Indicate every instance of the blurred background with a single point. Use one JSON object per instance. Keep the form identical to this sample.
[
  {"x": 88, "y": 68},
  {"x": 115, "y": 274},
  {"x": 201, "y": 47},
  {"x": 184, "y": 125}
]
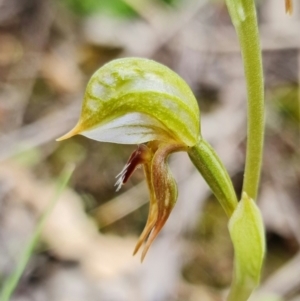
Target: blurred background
[{"x": 48, "y": 51}]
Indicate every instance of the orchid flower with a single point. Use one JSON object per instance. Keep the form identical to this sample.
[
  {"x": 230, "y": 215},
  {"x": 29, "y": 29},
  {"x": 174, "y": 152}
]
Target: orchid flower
[{"x": 139, "y": 101}]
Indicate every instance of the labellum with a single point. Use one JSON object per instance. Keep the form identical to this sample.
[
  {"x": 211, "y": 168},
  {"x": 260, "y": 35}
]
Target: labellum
[{"x": 161, "y": 184}]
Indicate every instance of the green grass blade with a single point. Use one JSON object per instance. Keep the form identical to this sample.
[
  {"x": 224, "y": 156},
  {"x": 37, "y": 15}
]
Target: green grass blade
[{"x": 12, "y": 281}]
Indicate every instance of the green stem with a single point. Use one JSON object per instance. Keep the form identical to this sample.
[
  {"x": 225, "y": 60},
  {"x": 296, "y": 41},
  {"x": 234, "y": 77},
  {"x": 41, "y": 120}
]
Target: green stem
[
  {"x": 213, "y": 171},
  {"x": 243, "y": 15}
]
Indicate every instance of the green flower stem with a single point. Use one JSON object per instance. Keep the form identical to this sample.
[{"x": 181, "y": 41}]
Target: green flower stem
[
  {"x": 213, "y": 171},
  {"x": 243, "y": 16}
]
